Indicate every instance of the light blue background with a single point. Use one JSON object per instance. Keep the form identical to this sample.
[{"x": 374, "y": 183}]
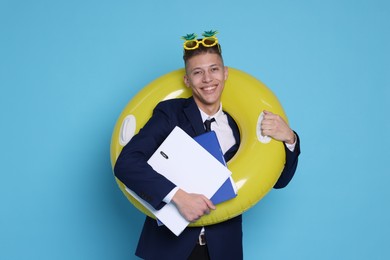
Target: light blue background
[{"x": 68, "y": 68}]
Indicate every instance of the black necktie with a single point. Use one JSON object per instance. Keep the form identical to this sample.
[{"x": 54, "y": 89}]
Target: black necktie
[{"x": 207, "y": 124}]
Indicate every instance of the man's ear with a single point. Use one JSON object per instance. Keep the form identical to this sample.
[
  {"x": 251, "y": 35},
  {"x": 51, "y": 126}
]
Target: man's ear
[
  {"x": 226, "y": 71},
  {"x": 186, "y": 81}
]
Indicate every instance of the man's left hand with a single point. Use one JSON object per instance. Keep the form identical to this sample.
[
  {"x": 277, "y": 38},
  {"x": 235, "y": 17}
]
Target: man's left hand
[{"x": 274, "y": 126}]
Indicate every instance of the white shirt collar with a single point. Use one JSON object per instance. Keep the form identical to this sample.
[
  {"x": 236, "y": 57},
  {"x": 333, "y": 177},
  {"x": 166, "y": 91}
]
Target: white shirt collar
[{"x": 216, "y": 115}]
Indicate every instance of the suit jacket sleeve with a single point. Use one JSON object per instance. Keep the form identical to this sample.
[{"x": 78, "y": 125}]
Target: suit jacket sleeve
[
  {"x": 131, "y": 167},
  {"x": 290, "y": 166}
]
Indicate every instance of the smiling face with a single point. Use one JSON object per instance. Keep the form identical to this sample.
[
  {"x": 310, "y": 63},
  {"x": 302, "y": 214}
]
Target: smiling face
[{"x": 206, "y": 75}]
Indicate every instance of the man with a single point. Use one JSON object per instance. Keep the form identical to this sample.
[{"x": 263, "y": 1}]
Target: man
[{"x": 206, "y": 76}]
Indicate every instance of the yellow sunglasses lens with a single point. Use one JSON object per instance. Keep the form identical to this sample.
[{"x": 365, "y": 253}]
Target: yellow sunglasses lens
[
  {"x": 190, "y": 45},
  {"x": 209, "y": 42}
]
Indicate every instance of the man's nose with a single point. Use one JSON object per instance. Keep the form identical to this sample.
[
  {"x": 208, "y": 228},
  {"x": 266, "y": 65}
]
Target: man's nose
[{"x": 207, "y": 77}]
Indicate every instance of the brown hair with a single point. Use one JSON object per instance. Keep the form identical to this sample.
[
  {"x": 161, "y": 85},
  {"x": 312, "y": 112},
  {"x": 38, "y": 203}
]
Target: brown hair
[{"x": 201, "y": 50}]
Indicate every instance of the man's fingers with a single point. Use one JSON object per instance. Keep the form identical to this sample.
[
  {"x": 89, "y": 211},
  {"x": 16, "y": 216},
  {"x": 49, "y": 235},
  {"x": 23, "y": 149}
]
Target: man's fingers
[{"x": 210, "y": 204}]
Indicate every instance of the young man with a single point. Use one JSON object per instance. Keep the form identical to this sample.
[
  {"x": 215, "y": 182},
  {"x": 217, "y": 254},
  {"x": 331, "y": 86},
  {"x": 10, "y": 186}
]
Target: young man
[{"x": 206, "y": 76}]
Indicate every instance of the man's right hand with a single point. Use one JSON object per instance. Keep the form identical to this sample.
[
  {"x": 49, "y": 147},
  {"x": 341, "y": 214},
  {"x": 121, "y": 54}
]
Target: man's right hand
[{"x": 192, "y": 206}]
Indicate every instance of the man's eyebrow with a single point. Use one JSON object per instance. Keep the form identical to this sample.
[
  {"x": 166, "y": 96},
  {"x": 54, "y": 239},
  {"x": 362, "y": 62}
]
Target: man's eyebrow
[
  {"x": 212, "y": 65},
  {"x": 207, "y": 66}
]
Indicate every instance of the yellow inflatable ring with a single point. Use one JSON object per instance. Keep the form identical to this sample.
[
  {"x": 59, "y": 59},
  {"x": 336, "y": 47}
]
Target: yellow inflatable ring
[{"x": 259, "y": 161}]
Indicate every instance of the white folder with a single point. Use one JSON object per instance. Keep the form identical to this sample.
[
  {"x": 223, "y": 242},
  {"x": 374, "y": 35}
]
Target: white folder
[{"x": 193, "y": 169}]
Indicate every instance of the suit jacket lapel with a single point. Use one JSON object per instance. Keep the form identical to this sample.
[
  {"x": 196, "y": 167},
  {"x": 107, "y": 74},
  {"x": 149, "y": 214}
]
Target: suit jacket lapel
[
  {"x": 233, "y": 125},
  {"x": 192, "y": 113}
]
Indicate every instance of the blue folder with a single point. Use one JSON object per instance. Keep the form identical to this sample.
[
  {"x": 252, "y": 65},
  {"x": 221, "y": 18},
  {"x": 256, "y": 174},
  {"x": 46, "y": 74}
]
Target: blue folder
[{"x": 209, "y": 141}]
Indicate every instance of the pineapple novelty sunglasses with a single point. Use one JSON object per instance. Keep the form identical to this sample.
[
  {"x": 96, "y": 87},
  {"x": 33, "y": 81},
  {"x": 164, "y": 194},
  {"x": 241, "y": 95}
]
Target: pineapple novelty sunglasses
[{"x": 209, "y": 40}]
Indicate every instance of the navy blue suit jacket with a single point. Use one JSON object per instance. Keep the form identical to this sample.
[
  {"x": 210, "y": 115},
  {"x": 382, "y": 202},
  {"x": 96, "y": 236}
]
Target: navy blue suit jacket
[{"x": 224, "y": 240}]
